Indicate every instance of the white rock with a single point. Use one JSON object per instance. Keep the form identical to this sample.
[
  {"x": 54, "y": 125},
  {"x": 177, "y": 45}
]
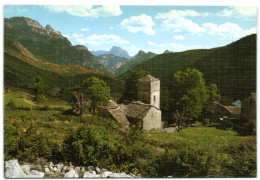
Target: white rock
[
  {"x": 13, "y": 169},
  {"x": 71, "y": 174},
  {"x": 77, "y": 169},
  {"x": 91, "y": 175},
  {"x": 35, "y": 174},
  {"x": 26, "y": 168},
  {"x": 47, "y": 170},
  {"x": 106, "y": 174},
  {"x": 98, "y": 170},
  {"x": 119, "y": 175}
]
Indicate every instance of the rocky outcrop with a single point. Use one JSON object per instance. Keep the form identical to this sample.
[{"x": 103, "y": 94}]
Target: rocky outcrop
[
  {"x": 48, "y": 44},
  {"x": 13, "y": 169},
  {"x": 48, "y": 169}
]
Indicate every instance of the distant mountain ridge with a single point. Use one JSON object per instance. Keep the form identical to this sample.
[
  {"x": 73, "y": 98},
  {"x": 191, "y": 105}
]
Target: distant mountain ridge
[
  {"x": 111, "y": 61},
  {"x": 140, "y": 57},
  {"x": 114, "y": 50},
  {"x": 48, "y": 44}
]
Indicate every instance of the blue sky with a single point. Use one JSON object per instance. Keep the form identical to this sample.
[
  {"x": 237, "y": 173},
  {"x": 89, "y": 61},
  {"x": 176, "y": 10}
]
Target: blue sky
[{"x": 147, "y": 28}]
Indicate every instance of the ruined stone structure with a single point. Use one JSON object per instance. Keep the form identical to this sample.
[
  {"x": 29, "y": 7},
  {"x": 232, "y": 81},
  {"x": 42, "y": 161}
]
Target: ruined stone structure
[{"x": 146, "y": 110}]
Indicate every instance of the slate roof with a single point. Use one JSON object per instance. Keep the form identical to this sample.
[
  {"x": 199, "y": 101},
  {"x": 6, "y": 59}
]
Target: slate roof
[
  {"x": 148, "y": 78},
  {"x": 117, "y": 113},
  {"x": 137, "y": 110},
  {"x": 234, "y": 109}
]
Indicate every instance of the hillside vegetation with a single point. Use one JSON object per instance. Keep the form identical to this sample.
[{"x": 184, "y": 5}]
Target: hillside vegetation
[
  {"x": 232, "y": 67},
  {"x": 141, "y": 56},
  {"x": 20, "y": 66}
]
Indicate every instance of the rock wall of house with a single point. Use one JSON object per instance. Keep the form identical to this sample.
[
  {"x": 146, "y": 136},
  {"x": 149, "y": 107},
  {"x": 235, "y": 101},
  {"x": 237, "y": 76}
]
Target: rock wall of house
[
  {"x": 152, "y": 120},
  {"x": 155, "y": 94}
]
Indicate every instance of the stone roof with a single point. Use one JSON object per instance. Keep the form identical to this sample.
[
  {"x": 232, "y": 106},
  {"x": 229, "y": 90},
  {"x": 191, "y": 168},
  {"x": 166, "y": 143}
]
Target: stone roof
[
  {"x": 117, "y": 113},
  {"x": 111, "y": 105},
  {"x": 137, "y": 110},
  {"x": 148, "y": 78},
  {"x": 234, "y": 109}
]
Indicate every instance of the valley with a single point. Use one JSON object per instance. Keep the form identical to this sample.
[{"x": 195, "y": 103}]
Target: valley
[{"x": 64, "y": 103}]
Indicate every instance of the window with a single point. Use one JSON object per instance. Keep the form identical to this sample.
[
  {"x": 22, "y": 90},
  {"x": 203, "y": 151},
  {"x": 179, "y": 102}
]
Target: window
[{"x": 154, "y": 98}]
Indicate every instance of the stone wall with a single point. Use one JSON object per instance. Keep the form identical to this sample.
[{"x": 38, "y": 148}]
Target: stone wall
[{"x": 152, "y": 120}]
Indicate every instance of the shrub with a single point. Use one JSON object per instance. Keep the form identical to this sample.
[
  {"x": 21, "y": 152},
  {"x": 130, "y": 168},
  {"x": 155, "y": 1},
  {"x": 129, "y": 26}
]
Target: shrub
[
  {"x": 40, "y": 98},
  {"x": 205, "y": 122},
  {"x": 27, "y": 145},
  {"x": 191, "y": 162},
  {"x": 11, "y": 105},
  {"x": 241, "y": 161},
  {"x": 97, "y": 146}
]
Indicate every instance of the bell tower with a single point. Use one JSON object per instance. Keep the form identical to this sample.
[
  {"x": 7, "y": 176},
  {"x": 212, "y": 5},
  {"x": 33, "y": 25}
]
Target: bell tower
[{"x": 148, "y": 90}]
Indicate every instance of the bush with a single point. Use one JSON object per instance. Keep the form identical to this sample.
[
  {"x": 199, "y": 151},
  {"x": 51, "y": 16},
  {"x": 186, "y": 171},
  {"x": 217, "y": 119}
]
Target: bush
[
  {"x": 11, "y": 105},
  {"x": 241, "y": 161},
  {"x": 205, "y": 122},
  {"x": 191, "y": 162},
  {"x": 40, "y": 98},
  {"x": 97, "y": 146},
  {"x": 27, "y": 145}
]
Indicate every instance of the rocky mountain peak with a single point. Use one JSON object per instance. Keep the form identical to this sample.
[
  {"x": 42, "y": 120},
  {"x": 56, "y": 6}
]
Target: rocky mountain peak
[
  {"x": 119, "y": 52},
  {"x": 49, "y": 28}
]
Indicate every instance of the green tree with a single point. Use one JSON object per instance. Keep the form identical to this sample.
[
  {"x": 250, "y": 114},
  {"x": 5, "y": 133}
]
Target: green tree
[
  {"x": 189, "y": 94},
  {"x": 213, "y": 94},
  {"x": 95, "y": 91},
  {"x": 37, "y": 85},
  {"x": 38, "y": 89},
  {"x": 130, "y": 91}
]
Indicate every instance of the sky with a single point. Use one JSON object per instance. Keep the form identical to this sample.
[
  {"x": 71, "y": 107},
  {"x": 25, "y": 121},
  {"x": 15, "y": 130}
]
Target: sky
[{"x": 147, "y": 28}]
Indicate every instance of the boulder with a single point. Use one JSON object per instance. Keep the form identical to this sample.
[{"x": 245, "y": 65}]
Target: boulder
[
  {"x": 98, "y": 170},
  {"x": 71, "y": 174},
  {"x": 35, "y": 174},
  {"x": 26, "y": 168},
  {"x": 13, "y": 169},
  {"x": 91, "y": 175},
  {"x": 119, "y": 175},
  {"x": 47, "y": 170},
  {"x": 105, "y": 174}
]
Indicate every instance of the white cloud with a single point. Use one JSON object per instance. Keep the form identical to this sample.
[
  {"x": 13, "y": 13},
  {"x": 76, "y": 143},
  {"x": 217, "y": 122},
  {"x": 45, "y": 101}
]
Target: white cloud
[
  {"x": 15, "y": 9},
  {"x": 238, "y": 11},
  {"x": 84, "y": 29},
  {"x": 227, "y": 29},
  {"x": 177, "y": 21},
  {"x": 179, "y": 37},
  {"x": 87, "y": 11},
  {"x": 97, "y": 40},
  {"x": 142, "y": 23},
  {"x": 67, "y": 36}
]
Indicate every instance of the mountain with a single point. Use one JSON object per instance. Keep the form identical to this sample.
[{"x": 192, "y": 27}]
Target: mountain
[
  {"x": 231, "y": 67},
  {"x": 140, "y": 57},
  {"x": 114, "y": 50},
  {"x": 20, "y": 66},
  {"x": 167, "y": 51},
  {"x": 111, "y": 61},
  {"x": 48, "y": 44}
]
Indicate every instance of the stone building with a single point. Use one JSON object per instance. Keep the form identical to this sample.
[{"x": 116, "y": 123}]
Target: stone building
[
  {"x": 146, "y": 110},
  {"x": 148, "y": 90}
]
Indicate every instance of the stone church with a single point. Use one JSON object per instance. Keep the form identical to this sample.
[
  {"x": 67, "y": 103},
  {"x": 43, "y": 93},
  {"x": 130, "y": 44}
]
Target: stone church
[{"x": 146, "y": 110}]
